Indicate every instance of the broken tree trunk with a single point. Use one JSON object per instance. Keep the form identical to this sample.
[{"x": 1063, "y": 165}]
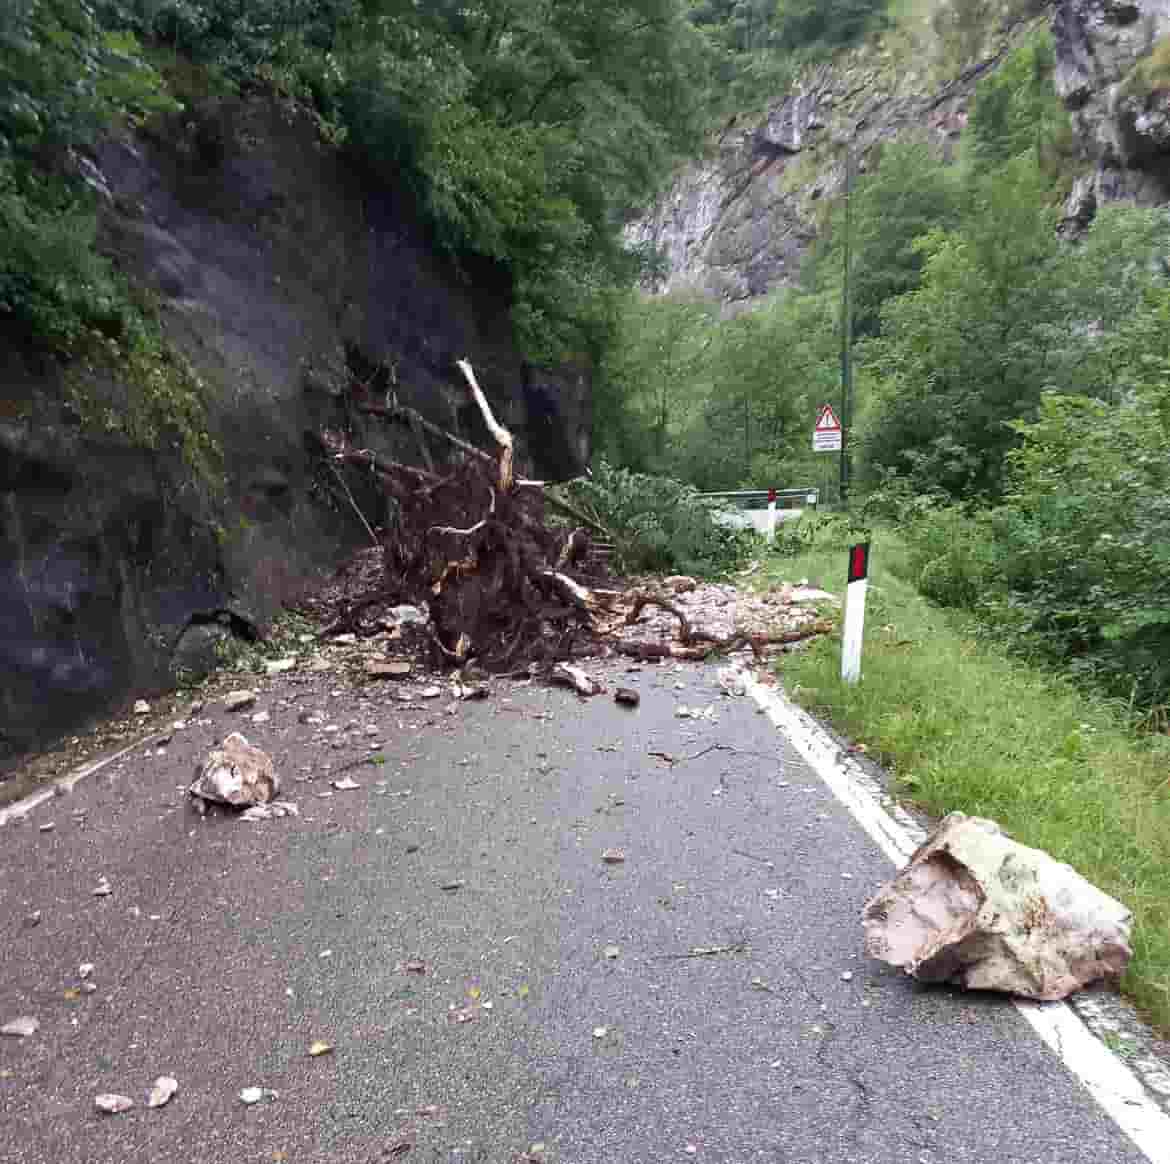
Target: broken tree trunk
[{"x": 502, "y": 436}]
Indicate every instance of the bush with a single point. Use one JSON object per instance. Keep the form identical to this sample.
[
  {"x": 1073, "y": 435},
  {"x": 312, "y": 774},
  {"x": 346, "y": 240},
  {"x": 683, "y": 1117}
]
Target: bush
[
  {"x": 954, "y": 559},
  {"x": 660, "y": 524},
  {"x": 1085, "y": 537},
  {"x": 51, "y": 278},
  {"x": 1075, "y": 562}
]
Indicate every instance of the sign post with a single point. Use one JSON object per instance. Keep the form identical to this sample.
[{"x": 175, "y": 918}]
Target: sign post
[
  {"x": 771, "y": 516},
  {"x": 855, "y": 591},
  {"x": 827, "y": 431}
]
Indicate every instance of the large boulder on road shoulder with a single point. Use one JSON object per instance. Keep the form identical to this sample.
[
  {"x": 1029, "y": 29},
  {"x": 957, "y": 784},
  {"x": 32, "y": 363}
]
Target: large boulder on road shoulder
[{"x": 975, "y": 908}]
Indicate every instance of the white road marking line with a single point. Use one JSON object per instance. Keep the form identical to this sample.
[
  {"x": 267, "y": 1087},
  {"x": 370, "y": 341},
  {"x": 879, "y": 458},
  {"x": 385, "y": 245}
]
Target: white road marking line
[
  {"x": 20, "y": 809},
  {"x": 1111, "y": 1083}
]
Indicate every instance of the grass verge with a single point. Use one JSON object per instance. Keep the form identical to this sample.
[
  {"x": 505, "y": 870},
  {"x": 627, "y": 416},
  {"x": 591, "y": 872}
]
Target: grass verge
[{"x": 964, "y": 727}]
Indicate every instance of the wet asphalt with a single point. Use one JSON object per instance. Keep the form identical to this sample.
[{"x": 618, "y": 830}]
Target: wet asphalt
[{"x": 492, "y": 988}]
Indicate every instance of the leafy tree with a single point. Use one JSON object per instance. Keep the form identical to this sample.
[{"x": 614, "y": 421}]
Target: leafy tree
[
  {"x": 973, "y": 347},
  {"x": 824, "y": 25},
  {"x": 1112, "y": 273},
  {"x": 908, "y": 194},
  {"x": 525, "y": 127},
  {"x": 62, "y": 78},
  {"x": 1016, "y": 111},
  {"x": 1085, "y": 530},
  {"x": 654, "y": 372},
  {"x": 768, "y": 370}
]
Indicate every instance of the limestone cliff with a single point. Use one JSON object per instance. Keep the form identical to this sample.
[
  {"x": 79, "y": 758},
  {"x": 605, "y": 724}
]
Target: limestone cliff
[
  {"x": 1113, "y": 74},
  {"x": 738, "y": 224},
  {"x": 283, "y": 276}
]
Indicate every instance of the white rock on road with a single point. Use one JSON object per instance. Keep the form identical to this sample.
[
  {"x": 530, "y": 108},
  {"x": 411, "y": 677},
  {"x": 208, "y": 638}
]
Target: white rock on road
[
  {"x": 236, "y": 773},
  {"x": 976, "y": 908}
]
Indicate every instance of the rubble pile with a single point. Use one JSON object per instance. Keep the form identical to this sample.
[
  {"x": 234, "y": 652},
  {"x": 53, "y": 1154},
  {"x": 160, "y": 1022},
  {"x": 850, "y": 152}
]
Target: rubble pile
[{"x": 470, "y": 548}]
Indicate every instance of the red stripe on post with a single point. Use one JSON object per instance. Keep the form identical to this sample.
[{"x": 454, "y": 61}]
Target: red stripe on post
[{"x": 858, "y": 562}]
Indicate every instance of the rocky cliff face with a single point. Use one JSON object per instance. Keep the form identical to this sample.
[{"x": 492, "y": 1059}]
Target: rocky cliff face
[
  {"x": 1113, "y": 74},
  {"x": 283, "y": 276},
  {"x": 739, "y": 224}
]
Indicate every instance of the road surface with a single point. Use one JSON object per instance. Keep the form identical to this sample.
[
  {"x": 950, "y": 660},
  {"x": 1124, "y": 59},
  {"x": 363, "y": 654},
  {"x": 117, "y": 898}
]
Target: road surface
[{"x": 561, "y": 1015}]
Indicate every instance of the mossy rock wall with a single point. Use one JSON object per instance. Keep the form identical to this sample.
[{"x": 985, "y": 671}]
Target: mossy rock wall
[{"x": 282, "y": 275}]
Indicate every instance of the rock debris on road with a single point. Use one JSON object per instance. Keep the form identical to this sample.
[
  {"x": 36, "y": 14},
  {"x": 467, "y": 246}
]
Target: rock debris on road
[{"x": 440, "y": 958}]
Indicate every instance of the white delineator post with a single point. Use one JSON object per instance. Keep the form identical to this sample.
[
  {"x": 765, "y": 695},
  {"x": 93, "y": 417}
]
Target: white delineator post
[
  {"x": 771, "y": 535},
  {"x": 854, "y": 612}
]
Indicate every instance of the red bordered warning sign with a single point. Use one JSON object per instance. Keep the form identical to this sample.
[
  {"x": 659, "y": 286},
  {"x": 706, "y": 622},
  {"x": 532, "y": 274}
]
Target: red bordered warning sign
[
  {"x": 827, "y": 431},
  {"x": 827, "y": 420}
]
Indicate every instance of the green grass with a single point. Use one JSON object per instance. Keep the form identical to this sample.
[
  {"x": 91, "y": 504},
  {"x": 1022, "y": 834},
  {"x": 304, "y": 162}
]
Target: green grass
[{"x": 962, "y": 726}]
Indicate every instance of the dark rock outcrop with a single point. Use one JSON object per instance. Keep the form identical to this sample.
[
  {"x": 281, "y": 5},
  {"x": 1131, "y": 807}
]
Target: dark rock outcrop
[
  {"x": 1113, "y": 74},
  {"x": 284, "y": 276}
]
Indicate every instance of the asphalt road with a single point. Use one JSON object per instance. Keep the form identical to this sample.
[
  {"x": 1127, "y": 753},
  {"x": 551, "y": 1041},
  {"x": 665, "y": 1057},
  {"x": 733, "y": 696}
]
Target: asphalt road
[{"x": 225, "y": 949}]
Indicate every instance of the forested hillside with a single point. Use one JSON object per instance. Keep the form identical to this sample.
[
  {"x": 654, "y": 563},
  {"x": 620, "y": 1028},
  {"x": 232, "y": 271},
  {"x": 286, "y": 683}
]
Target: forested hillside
[
  {"x": 523, "y": 128},
  {"x": 1012, "y": 348},
  {"x": 1012, "y": 353}
]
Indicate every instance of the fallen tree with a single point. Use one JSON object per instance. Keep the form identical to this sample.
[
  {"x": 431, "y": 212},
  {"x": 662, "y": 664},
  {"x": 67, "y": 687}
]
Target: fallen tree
[{"x": 470, "y": 543}]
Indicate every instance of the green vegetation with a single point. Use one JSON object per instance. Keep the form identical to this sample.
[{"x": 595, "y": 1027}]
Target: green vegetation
[
  {"x": 659, "y": 524},
  {"x": 524, "y": 127},
  {"x": 66, "y": 77},
  {"x": 719, "y": 403},
  {"x": 965, "y": 728},
  {"x": 1011, "y": 388},
  {"x": 63, "y": 78}
]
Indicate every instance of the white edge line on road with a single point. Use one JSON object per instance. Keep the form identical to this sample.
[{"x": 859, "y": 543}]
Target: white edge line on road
[
  {"x": 1111, "y": 1083},
  {"x": 21, "y": 808}
]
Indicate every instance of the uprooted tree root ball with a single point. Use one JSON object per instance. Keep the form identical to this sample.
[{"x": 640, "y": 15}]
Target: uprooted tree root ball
[
  {"x": 484, "y": 563},
  {"x": 503, "y": 588}
]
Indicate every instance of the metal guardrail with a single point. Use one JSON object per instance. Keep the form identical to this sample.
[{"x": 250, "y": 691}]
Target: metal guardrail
[{"x": 809, "y": 496}]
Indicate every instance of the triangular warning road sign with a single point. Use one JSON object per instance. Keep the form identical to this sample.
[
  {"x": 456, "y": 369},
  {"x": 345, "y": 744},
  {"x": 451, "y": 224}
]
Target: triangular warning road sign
[{"x": 827, "y": 420}]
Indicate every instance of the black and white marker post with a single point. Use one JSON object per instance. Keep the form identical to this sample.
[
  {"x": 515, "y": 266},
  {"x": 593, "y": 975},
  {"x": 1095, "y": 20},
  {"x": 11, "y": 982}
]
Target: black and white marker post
[{"x": 854, "y": 612}]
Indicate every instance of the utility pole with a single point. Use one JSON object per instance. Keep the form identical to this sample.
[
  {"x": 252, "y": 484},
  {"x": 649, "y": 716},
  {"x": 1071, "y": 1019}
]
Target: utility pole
[{"x": 847, "y": 330}]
